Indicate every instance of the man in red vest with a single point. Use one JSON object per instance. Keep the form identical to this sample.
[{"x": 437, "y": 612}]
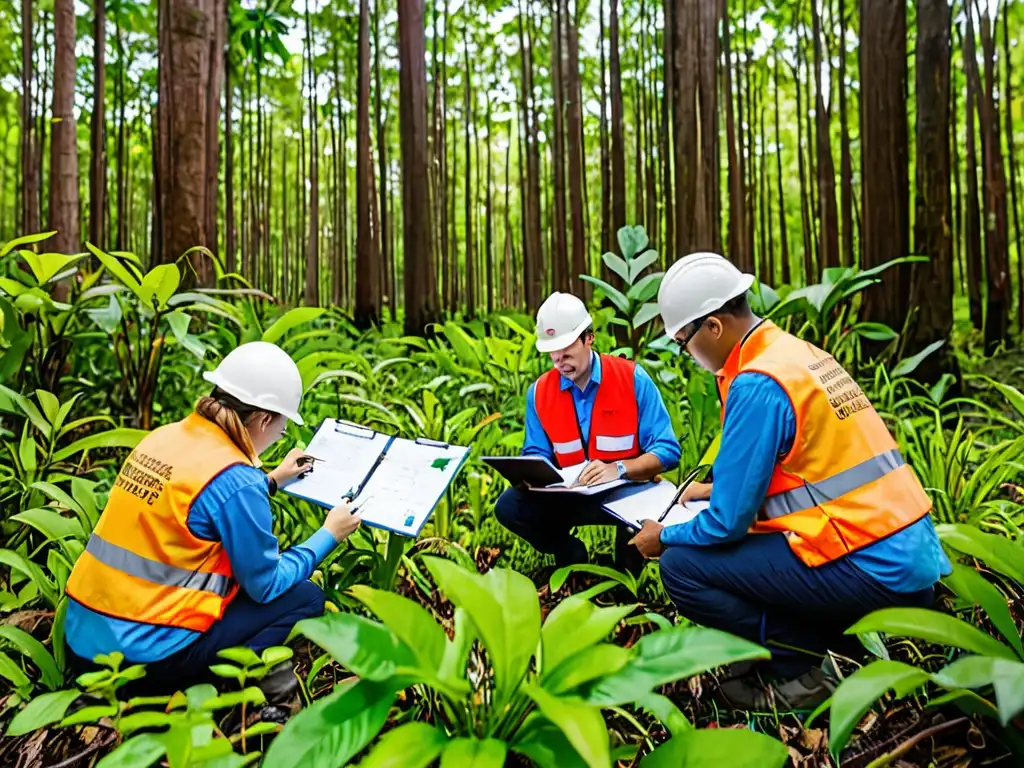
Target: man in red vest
[
  {"x": 815, "y": 520},
  {"x": 592, "y": 408}
]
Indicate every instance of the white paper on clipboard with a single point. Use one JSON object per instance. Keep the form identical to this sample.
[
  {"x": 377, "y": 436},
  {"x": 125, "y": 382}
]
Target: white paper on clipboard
[{"x": 635, "y": 504}]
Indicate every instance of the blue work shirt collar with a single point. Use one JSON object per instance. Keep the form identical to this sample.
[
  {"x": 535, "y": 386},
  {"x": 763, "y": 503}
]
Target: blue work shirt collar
[{"x": 595, "y": 373}]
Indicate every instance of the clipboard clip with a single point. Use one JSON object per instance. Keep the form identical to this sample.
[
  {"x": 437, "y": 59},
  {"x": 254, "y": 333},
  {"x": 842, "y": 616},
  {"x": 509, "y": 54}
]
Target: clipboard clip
[
  {"x": 431, "y": 443},
  {"x": 354, "y": 430}
]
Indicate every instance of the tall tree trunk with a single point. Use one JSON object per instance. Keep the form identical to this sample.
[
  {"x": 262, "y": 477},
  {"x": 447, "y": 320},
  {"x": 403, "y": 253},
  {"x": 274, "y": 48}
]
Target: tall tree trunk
[
  {"x": 367, "y": 310},
  {"x": 29, "y": 138},
  {"x": 420, "y": 279},
  {"x": 805, "y": 214},
  {"x": 1011, "y": 155},
  {"x": 468, "y": 120},
  {"x": 997, "y": 279},
  {"x": 606, "y": 188},
  {"x": 975, "y": 266},
  {"x": 312, "y": 292},
  {"x": 932, "y": 283},
  {"x": 848, "y": 256},
  {"x": 98, "y": 130},
  {"x": 64, "y": 203},
  {"x": 883, "y": 130},
  {"x": 218, "y": 40},
  {"x": 489, "y": 207},
  {"x": 121, "y": 241},
  {"x": 737, "y": 241},
  {"x": 533, "y": 267},
  {"x": 958, "y": 230},
  {"x": 783, "y": 227},
  {"x": 668, "y": 98},
  {"x": 387, "y": 252},
  {"x": 826, "y": 169},
  {"x": 576, "y": 173},
  {"x": 230, "y": 233},
  {"x": 559, "y": 256},
  {"x": 618, "y": 144}
]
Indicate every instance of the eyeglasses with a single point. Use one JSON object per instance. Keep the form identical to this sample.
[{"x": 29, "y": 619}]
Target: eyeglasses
[{"x": 698, "y": 324}]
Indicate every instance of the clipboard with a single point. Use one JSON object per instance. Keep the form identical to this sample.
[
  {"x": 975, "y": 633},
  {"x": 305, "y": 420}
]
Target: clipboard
[{"x": 633, "y": 505}]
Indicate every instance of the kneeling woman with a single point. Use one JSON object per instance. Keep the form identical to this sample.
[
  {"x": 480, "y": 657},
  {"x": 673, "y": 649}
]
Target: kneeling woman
[{"x": 183, "y": 561}]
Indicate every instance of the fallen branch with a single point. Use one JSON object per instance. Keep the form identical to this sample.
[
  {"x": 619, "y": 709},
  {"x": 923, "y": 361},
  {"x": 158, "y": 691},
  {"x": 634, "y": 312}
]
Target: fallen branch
[
  {"x": 96, "y": 746},
  {"x": 910, "y": 743}
]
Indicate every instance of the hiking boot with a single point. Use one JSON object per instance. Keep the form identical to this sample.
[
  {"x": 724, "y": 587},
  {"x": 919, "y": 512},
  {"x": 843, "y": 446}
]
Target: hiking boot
[
  {"x": 804, "y": 692},
  {"x": 280, "y": 685}
]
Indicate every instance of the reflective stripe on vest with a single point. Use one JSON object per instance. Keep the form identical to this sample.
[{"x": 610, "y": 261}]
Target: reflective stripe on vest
[
  {"x": 614, "y": 422},
  {"x": 831, "y": 488},
  {"x": 844, "y": 484},
  {"x": 166, "y": 575}
]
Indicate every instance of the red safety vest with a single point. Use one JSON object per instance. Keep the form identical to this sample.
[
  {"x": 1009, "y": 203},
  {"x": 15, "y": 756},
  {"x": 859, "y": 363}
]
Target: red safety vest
[
  {"x": 614, "y": 425},
  {"x": 844, "y": 484}
]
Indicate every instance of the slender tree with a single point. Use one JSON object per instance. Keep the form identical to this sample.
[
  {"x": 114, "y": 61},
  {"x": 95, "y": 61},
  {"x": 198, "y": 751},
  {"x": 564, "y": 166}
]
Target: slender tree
[
  {"x": 846, "y": 159},
  {"x": 618, "y": 142},
  {"x": 578, "y": 263},
  {"x": 98, "y": 129},
  {"x": 367, "y": 309},
  {"x": 972, "y": 215},
  {"x": 830, "y": 256},
  {"x": 64, "y": 203},
  {"x": 312, "y": 291},
  {"x": 29, "y": 137}
]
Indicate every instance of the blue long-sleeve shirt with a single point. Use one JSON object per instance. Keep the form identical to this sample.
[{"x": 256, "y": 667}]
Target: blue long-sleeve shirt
[
  {"x": 656, "y": 435},
  {"x": 233, "y": 509},
  {"x": 760, "y": 426}
]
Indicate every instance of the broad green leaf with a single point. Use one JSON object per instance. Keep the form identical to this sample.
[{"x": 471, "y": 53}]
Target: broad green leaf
[
  {"x": 42, "y": 711},
  {"x": 631, "y": 240},
  {"x": 1005, "y": 677},
  {"x": 647, "y": 312},
  {"x": 545, "y": 743},
  {"x": 857, "y": 693},
  {"x": 17, "y": 242},
  {"x": 367, "y": 648},
  {"x": 276, "y": 654},
  {"x": 875, "y": 331},
  {"x": 908, "y": 365},
  {"x": 452, "y": 669},
  {"x": 251, "y": 696},
  {"x": 122, "y": 437},
  {"x": 971, "y": 586},
  {"x": 57, "y": 494},
  {"x": 138, "y": 752},
  {"x": 474, "y": 753},
  {"x": 997, "y": 552},
  {"x": 735, "y": 747},
  {"x": 625, "y": 579},
  {"x": 51, "y": 524},
  {"x": 49, "y": 404},
  {"x": 669, "y": 655},
  {"x": 573, "y": 625},
  {"x": 159, "y": 285},
  {"x": 410, "y": 622},
  {"x": 615, "y": 296},
  {"x": 35, "y": 650},
  {"x": 413, "y": 745},
  {"x": 116, "y": 269},
  {"x": 581, "y": 723},
  {"x": 289, "y": 320},
  {"x": 934, "y": 627},
  {"x": 640, "y": 263},
  {"x": 28, "y": 408},
  {"x": 967, "y": 702},
  {"x": 92, "y": 714},
  {"x": 617, "y": 265},
  {"x": 665, "y": 710},
  {"x": 45, "y": 266},
  {"x": 646, "y": 288},
  {"x": 32, "y": 572},
  {"x": 109, "y": 318},
  {"x": 1013, "y": 395},
  {"x": 466, "y": 348},
  {"x": 10, "y": 671},
  {"x": 12, "y": 287},
  {"x": 331, "y": 731},
  {"x": 242, "y": 656},
  {"x": 585, "y": 666},
  {"x": 504, "y": 609}
]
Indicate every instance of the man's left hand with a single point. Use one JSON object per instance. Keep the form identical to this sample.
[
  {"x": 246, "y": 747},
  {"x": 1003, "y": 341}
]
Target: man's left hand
[
  {"x": 597, "y": 472},
  {"x": 648, "y": 540}
]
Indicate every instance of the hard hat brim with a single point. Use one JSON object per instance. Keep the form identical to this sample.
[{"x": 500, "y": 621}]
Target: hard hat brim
[
  {"x": 742, "y": 286},
  {"x": 556, "y": 343},
  {"x": 245, "y": 397}
]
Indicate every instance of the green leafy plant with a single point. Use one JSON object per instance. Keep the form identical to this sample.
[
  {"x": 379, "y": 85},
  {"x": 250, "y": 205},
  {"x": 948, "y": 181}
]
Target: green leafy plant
[{"x": 502, "y": 683}]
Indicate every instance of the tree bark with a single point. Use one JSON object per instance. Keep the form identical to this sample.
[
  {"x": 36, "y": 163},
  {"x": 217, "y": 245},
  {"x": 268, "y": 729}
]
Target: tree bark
[
  {"x": 783, "y": 227},
  {"x": 207, "y": 273},
  {"x": 829, "y": 226},
  {"x": 668, "y": 98},
  {"x": 737, "y": 240},
  {"x": 121, "y": 241},
  {"x": 847, "y": 256},
  {"x": 559, "y": 255},
  {"x": 367, "y": 310},
  {"x": 576, "y": 173},
  {"x": 98, "y": 130},
  {"x": 618, "y": 143},
  {"x": 64, "y": 202},
  {"x": 1012, "y": 159},
  {"x": 29, "y": 137},
  {"x": 997, "y": 279},
  {"x": 885, "y": 208},
  {"x": 312, "y": 292},
  {"x": 387, "y": 253},
  {"x": 230, "y": 233},
  {"x": 972, "y": 224},
  {"x": 932, "y": 283},
  {"x": 468, "y": 120},
  {"x": 606, "y": 189},
  {"x": 420, "y": 279}
]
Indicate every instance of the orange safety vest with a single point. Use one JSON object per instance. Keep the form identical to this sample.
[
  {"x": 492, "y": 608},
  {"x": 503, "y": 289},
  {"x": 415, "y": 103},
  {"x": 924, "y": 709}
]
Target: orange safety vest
[
  {"x": 142, "y": 563},
  {"x": 844, "y": 484},
  {"x": 614, "y": 425}
]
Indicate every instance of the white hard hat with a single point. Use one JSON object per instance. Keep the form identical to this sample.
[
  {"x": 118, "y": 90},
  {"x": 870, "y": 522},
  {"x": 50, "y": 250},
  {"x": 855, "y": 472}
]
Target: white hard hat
[
  {"x": 560, "y": 321},
  {"x": 697, "y": 285},
  {"x": 262, "y": 375}
]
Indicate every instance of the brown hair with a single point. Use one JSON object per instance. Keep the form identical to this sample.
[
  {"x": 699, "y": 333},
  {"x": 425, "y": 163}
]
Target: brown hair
[{"x": 231, "y": 415}]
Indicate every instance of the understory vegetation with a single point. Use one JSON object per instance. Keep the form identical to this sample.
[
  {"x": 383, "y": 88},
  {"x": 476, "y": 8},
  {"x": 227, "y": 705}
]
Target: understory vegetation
[{"x": 463, "y": 645}]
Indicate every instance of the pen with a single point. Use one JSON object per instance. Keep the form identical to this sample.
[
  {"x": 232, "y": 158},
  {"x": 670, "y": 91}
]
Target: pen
[
  {"x": 679, "y": 492},
  {"x": 309, "y": 460}
]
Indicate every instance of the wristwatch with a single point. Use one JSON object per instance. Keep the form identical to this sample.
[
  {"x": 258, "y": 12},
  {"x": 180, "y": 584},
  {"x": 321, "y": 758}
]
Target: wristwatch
[{"x": 621, "y": 467}]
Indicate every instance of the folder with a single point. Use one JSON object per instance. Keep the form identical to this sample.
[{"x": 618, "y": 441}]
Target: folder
[
  {"x": 539, "y": 474},
  {"x": 393, "y": 483}
]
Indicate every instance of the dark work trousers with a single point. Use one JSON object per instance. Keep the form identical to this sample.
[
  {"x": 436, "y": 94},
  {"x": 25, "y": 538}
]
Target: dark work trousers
[
  {"x": 545, "y": 520},
  {"x": 758, "y": 589},
  {"x": 245, "y": 623}
]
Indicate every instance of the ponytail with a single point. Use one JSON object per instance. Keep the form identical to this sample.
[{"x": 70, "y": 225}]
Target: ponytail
[{"x": 231, "y": 415}]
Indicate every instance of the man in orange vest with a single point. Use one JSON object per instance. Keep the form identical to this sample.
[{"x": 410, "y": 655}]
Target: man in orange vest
[
  {"x": 815, "y": 520},
  {"x": 593, "y": 408}
]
